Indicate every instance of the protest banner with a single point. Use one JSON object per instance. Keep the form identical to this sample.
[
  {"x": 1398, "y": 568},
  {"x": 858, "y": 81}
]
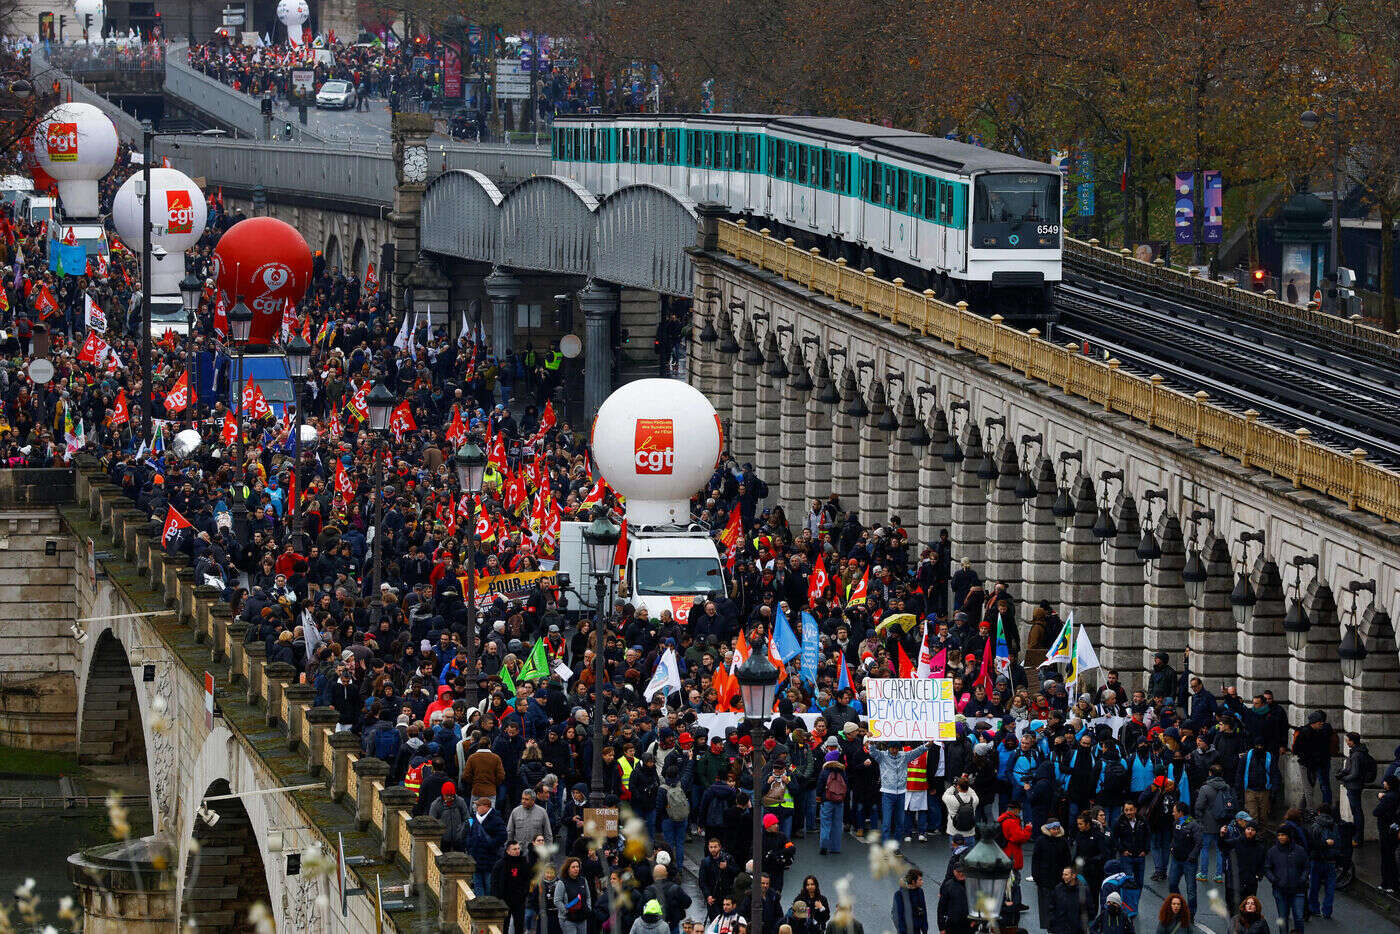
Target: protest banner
[{"x": 910, "y": 710}]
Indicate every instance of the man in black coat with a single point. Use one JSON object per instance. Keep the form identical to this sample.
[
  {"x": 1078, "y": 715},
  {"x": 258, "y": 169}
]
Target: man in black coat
[
  {"x": 511, "y": 884},
  {"x": 953, "y": 909}
]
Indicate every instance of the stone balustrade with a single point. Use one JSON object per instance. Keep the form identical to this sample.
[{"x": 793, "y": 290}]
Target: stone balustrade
[{"x": 413, "y": 843}]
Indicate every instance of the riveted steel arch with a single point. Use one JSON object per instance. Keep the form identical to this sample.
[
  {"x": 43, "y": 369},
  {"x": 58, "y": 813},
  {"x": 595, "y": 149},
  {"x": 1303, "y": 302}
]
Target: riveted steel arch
[
  {"x": 546, "y": 224},
  {"x": 640, "y": 238},
  {"x": 461, "y": 214}
]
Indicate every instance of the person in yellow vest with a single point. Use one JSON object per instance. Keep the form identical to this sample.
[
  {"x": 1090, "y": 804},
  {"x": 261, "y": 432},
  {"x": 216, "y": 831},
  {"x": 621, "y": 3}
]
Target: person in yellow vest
[
  {"x": 916, "y": 809},
  {"x": 627, "y": 763}
]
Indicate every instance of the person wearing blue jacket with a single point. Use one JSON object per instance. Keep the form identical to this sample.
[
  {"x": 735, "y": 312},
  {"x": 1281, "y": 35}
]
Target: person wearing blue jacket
[
  {"x": 484, "y": 840},
  {"x": 1142, "y": 768}
]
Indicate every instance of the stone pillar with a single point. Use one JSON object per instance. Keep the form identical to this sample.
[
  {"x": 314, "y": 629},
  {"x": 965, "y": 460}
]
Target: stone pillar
[
  {"x": 1080, "y": 561},
  {"x": 299, "y": 699},
  {"x": 342, "y": 746},
  {"x": 792, "y": 429},
  {"x": 236, "y": 631},
  {"x": 409, "y": 132},
  {"x": 1373, "y": 700},
  {"x": 255, "y": 663},
  {"x": 1005, "y": 522},
  {"x": 1315, "y": 679},
  {"x": 1040, "y": 549},
  {"x": 845, "y": 446},
  {"x": 395, "y": 800},
  {"x": 768, "y": 411},
  {"x": 126, "y": 887},
  {"x": 424, "y": 830},
  {"x": 902, "y": 481},
  {"x": 452, "y": 868},
  {"x": 464, "y": 300},
  {"x": 970, "y": 505},
  {"x": 319, "y": 721},
  {"x": 1262, "y": 645},
  {"x": 368, "y": 769},
  {"x": 599, "y": 304},
  {"x": 279, "y": 675},
  {"x": 722, "y": 389},
  {"x": 1212, "y": 625},
  {"x": 701, "y": 367},
  {"x": 874, "y": 465},
  {"x": 502, "y": 289},
  {"x": 1121, "y": 636},
  {"x": 819, "y": 417},
  {"x": 1166, "y": 617},
  {"x": 935, "y": 483},
  {"x": 744, "y": 382}
]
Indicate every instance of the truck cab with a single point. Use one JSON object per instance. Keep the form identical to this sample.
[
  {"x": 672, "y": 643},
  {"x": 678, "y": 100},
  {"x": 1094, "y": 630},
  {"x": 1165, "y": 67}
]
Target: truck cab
[{"x": 668, "y": 570}]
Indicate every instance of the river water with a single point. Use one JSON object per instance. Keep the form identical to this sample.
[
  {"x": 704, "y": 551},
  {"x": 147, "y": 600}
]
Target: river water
[{"x": 36, "y": 843}]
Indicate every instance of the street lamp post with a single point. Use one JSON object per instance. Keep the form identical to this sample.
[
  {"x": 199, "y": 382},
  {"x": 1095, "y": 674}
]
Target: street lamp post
[
  {"x": 600, "y": 539},
  {"x": 240, "y": 326},
  {"x": 758, "y": 684},
  {"x": 470, "y": 462},
  {"x": 298, "y": 354},
  {"x": 190, "y": 287},
  {"x": 381, "y": 407},
  {"x": 988, "y": 869},
  {"x": 147, "y": 136}
]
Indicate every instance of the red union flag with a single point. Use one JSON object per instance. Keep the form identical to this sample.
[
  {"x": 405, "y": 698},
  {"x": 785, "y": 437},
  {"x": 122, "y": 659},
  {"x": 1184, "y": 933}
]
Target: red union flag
[
  {"x": 731, "y": 537},
  {"x": 816, "y": 581},
  {"x": 62, "y": 142},
  {"x": 229, "y": 433},
  {"x": 220, "y": 319},
  {"x": 254, "y": 401},
  {"x": 401, "y": 420},
  {"x": 179, "y": 395},
  {"x": 93, "y": 349},
  {"x": 357, "y": 405},
  {"x": 457, "y": 431},
  {"x": 343, "y": 486},
  {"x": 655, "y": 446},
  {"x": 174, "y": 522},
  {"x": 45, "y": 304},
  {"x": 180, "y": 211},
  {"x": 120, "y": 411},
  {"x": 371, "y": 280}
]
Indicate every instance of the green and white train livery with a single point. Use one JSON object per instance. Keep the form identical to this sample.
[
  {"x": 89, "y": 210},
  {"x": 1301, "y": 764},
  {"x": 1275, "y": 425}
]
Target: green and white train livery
[{"x": 968, "y": 222}]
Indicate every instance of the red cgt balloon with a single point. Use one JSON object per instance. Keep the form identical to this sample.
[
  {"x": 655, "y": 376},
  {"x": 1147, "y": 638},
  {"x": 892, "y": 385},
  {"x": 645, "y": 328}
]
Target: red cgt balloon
[{"x": 266, "y": 263}]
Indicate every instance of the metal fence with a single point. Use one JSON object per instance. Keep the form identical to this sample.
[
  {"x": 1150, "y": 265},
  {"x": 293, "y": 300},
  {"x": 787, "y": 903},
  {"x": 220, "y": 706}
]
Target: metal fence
[
  {"x": 364, "y": 176},
  {"x": 128, "y": 127},
  {"x": 106, "y": 62},
  {"x": 238, "y": 110}
]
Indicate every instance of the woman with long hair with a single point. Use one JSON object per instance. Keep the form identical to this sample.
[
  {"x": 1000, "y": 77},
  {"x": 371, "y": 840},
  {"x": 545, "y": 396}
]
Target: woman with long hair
[
  {"x": 817, "y": 905},
  {"x": 1174, "y": 917},
  {"x": 1250, "y": 918}
]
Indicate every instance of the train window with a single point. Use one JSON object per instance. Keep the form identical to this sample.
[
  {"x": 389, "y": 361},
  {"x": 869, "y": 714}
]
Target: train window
[
  {"x": 670, "y": 139},
  {"x": 838, "y": 172},
  {"x": 814, "y": 167},
  {"x": 626, "y": 145},
  {"x": 864, "y": 179},
  {"x": 946, "y": 209},
  {"x": 888, "y": 196},
  {"x": 779, "y": 157},
  {"x": 727, "y": 157},
  {"x": 916, "y": 195},
  {"x": 826, "y": 170},
  {"x": 802, "y": 163},
  {"x": 707, "y": 149},
  {"x": 903, "y": 189}
]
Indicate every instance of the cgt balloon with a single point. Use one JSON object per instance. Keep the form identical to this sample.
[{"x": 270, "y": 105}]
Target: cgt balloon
[{"x": 267, "y": 264}]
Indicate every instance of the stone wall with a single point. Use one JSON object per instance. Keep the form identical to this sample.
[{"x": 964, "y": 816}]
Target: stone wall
[{"x": 1004, "y": 422}]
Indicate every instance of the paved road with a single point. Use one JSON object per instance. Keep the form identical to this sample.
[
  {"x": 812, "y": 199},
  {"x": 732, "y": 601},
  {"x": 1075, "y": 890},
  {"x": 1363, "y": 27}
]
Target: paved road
[{"x": 872, "y": 884}]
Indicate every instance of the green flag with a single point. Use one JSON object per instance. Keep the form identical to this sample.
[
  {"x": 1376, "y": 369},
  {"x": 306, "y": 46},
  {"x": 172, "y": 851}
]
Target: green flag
[
  {"x": 537, "y": 664},
  {"x": 507, "y": 682}
]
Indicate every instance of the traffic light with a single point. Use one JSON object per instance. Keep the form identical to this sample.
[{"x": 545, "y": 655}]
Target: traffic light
[
  {"x": 266, "y": 105},
  {"x": 287, "y": 130},
  {"x": 1258, "y": 280},
  {"x": 563, "y": 314}
]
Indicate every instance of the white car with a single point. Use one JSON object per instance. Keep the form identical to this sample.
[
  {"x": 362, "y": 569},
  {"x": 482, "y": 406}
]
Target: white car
[{"x": 336, "y": 94}]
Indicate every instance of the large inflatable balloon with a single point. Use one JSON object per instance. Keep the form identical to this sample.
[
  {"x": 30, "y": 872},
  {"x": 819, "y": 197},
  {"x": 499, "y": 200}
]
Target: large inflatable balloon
[
  {"x": 293, "y": 14},
  {"x": 657, "y": 442},
  {"x": 267, "y": 264},
  {"x": 76, "y": 144},
  {"x": 97, "y": 9},
  {"x": 178, "y": 215}
]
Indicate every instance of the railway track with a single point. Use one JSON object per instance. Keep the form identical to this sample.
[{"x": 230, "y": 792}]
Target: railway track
[{"x": 1344, "y": 401}]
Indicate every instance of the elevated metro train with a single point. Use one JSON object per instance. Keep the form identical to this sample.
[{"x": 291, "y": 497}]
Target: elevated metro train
[{"x": 968, "y": 222}]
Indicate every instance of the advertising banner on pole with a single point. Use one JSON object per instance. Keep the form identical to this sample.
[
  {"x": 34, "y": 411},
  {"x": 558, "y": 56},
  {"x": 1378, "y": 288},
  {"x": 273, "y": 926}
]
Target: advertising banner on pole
[
  {"x": 1185, "y": 213},
  {"x": 910, "y": 710},
  {"x": 1213, "y": 195}
]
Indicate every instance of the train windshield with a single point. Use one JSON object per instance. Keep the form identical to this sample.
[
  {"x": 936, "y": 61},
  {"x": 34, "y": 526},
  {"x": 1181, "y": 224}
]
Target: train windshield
[{"x": 1016, "y": 210}]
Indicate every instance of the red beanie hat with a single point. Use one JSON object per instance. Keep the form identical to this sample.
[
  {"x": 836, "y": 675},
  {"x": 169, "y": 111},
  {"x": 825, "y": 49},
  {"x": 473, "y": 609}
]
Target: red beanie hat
[{"x": 448, "y": 788}]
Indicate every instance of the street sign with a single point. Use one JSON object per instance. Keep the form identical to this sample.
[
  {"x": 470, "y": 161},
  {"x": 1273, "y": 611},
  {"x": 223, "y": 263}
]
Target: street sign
[
  {"x": 208, "y": 701},
  {"x": 41, "y": 371},
  {"x": 512, "y": 81},
  {"x": 303, "y": 79}
]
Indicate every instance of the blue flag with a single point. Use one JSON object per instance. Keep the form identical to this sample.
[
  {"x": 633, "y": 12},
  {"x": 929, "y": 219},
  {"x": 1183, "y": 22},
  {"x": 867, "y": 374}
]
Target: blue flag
[
  {"x": 844, "y": 679},
  {"x": 788, "y": 646},
  {"x": 811, "y": 643}
]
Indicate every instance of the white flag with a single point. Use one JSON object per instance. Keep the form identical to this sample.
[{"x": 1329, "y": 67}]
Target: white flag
[
  {"x": 667, "y": 677},
  {"x": 95, "y": 316},
  {"x": 401, "y": 342},
  {"x": 1085, "y": 659},
  {"x": 1062, "y": 648}
]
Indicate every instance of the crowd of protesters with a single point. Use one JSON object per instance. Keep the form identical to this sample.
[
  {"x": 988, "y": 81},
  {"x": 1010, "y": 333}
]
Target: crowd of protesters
[{"x": 1083, "y": 787}]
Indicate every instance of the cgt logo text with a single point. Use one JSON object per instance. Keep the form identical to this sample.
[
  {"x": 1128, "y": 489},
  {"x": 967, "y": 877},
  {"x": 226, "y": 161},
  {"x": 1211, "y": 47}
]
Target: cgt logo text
[
  {"x": 180, "y": 211},
  {"x": 62, "y": 142},
  {"x": 655, "y": 446}
]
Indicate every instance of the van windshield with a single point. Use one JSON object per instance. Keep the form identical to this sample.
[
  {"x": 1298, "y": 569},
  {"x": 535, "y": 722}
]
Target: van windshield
[{"x": 678, "y": 577}]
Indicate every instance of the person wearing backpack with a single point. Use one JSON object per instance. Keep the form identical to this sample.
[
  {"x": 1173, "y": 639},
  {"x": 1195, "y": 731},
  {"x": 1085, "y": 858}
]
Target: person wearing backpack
[
  {"x": 960, "y": 804},
  {"x": 673, "y": 805},
  {"x": 383, "y": 742},
  {"x": 832, "y": 789},
  {"x": 1216, "y": 804},
  {"x": 1359, "y": 771}
]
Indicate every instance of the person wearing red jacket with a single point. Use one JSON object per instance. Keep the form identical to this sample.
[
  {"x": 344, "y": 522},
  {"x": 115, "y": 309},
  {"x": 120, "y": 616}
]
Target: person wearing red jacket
[{"x": 1017, "y": 834}]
